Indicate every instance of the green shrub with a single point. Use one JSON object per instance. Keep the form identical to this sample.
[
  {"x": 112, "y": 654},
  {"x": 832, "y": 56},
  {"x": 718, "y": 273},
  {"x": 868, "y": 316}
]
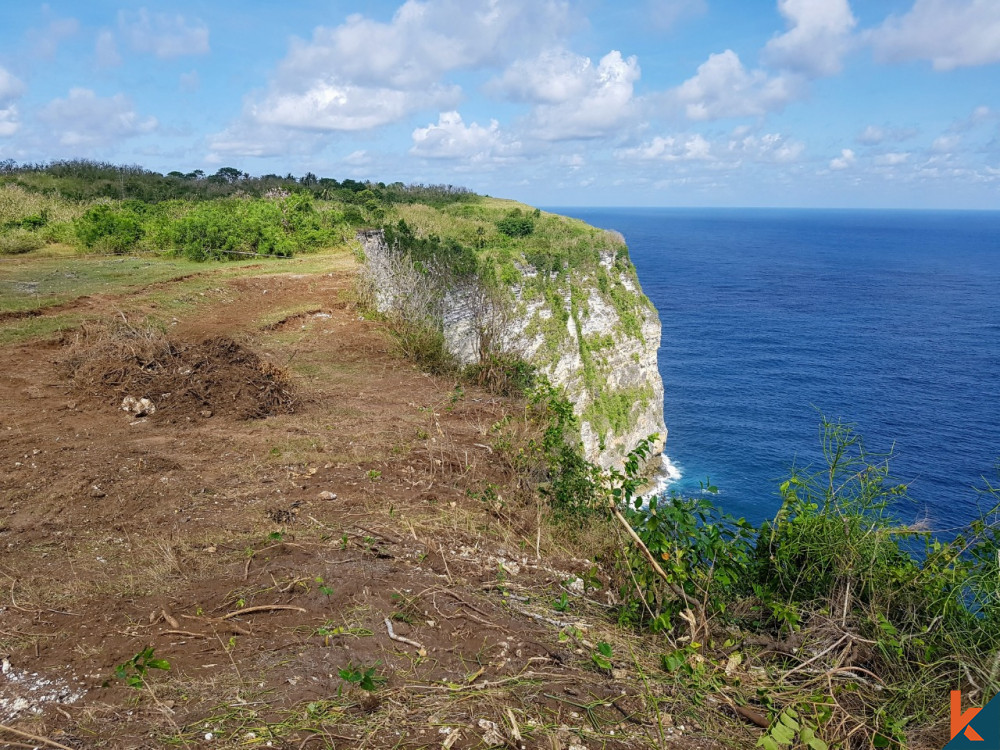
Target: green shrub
[
  {"x": 109, "y": 228},
  {"x": 516, "y": 224},
  {"x": 425, "y": 345},
  {"x": 17, "y": 241}
]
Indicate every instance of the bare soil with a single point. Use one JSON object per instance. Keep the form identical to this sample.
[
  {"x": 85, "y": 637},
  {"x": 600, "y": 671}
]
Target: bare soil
[{"x": 298, "y": 486}]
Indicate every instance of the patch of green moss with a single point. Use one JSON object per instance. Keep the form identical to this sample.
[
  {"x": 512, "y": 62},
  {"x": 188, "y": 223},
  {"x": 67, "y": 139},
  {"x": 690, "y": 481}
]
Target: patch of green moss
[
  {"x": 627, "y": 304},
  {"x": 612, "y": 412}
]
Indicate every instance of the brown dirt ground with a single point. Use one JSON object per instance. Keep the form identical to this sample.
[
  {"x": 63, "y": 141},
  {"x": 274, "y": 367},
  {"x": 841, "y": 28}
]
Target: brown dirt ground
[{"x": 119, "y": 533}]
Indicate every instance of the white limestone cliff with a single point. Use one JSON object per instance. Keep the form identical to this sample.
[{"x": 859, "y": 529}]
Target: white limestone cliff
[{"x": 597, "y": 337}]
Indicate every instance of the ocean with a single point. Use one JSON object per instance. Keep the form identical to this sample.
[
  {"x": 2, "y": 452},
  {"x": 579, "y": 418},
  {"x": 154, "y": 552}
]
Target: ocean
[{"x": 771, "y": 318}]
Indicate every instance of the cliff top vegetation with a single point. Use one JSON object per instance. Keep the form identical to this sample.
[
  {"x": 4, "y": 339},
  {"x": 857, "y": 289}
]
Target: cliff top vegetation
[{"x": 125, "y": 209}]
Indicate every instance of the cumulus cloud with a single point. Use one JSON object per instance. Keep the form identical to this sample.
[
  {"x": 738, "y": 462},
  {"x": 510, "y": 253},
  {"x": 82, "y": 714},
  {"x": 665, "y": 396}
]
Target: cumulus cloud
[
  {"x": 871, "y": 135},
  {"x": 773, "y": 148},
  {"x": 844, "y": 161},
  {"x": 949, "y": 33},
  {"x": 818, "y": 37},
  {"x": 163, "y": 34},
  {"x": 671, "y": 148},
  {"x": 945, "y": 144},
  {"x": 329, "y": 105},
  {"x": 106, "y": 50},
  {"x": 11, "y": 89},
  {"x": 425, "y": 39},
  {"x": 451, "y": 138},
  {"x": 84, "y": 119},
  {"x": 366, "y": 73},
  {"x": 723, "y": 87},
  {"x": 573, "y": 97}
]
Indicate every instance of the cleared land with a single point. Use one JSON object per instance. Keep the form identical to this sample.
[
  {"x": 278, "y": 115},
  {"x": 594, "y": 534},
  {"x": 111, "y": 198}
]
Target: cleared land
[{"x": 262, "y": 553}]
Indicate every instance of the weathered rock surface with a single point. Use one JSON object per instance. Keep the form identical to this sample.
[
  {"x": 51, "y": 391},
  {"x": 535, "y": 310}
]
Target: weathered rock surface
[{"x": 578, "y": 337}]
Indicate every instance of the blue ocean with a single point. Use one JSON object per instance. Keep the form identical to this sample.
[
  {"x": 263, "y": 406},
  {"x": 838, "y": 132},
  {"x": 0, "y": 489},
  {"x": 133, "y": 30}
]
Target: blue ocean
[{"x": 886, "y": 319}]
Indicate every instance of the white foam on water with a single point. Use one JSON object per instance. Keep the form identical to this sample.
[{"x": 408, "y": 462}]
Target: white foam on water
[{"x": 668, "y": 474}]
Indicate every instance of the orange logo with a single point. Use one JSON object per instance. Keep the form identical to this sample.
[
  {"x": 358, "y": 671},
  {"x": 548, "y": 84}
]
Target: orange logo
[{"x": 960, "y": 721}]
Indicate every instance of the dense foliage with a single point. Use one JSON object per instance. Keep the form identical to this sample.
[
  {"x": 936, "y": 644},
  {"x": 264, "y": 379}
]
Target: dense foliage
[
  {"x": 873, "y": 598},
  {"x": 121, "y": 209}
]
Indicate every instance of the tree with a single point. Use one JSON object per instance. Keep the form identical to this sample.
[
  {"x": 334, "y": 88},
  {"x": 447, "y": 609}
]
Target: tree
[{"x": 229, "y": 174}]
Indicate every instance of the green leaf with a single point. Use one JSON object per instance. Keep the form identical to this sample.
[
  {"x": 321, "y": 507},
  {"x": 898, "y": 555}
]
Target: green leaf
[
  {"x": 880, "y": 741},
  {"x": 158, "y": 664},
  {"x": 817, "y": 744},
  {"x": 782, "y": 734},
  {"x": 767, "y": 743},
  {"x": 789, "y": 722}
]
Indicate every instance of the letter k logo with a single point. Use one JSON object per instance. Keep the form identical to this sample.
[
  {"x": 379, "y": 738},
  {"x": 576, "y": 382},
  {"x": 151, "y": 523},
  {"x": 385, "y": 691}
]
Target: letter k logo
[{"x": 960, "y": 721}]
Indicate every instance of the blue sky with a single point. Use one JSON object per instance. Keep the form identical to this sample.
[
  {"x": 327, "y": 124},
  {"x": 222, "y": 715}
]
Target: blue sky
[{"x": 839, "y": 103}]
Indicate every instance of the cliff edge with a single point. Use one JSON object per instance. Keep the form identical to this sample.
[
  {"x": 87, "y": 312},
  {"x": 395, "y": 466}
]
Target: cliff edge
[{"x": 572, "y": 308}]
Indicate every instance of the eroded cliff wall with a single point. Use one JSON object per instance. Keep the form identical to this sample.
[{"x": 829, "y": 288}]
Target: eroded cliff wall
[{"x": 588, "y": 328}]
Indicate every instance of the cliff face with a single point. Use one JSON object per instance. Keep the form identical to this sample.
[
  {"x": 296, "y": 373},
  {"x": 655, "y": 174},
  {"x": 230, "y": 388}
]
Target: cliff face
[{"x": 588, "y": 328}]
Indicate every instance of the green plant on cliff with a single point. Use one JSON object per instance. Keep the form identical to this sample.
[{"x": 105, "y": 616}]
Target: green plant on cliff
[{"x": 838, "y": 570}]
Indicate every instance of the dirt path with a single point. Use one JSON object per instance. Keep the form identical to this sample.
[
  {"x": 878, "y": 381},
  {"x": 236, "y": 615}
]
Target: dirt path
[{"x": 263, "y": 558}]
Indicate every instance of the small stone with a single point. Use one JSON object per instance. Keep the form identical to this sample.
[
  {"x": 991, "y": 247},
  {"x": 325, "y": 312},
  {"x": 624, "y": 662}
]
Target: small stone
[
  {"x": 97, "y": 492},
  {"x": 206, "y": 413},
  {"x": 492, "y": 736},
  {"x": 327, "y": 495}
]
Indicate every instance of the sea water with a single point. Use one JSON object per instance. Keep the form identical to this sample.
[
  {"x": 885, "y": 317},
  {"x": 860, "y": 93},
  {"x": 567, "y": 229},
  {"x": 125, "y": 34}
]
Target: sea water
[{"x": 771, "y": 318}]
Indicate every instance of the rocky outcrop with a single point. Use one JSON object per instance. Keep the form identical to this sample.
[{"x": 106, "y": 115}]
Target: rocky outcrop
[{"x": 588, "y": 328}]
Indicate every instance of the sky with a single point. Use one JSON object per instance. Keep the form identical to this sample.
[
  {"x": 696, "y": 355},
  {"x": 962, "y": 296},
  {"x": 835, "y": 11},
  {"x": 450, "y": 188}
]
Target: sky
[{"x": 793, "y": 103}]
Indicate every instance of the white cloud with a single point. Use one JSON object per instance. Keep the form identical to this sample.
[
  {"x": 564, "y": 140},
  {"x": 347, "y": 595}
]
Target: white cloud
[
  {"x": 671, "y": 148},
  {"x": 451, "y": 138},
  {"x": 819, "y": 36},
  {"x": 949, "y": 33},
  {"x": 84, "y": 119},
  {"x": 553, "y": 77},
  {"x": 10, "y": 86},
  {"x": 45, "y": 42},
  {"x": 871, "y": 135},
  {"x": 844, "y": 161},
  {"x": 360, "y": 158},
  {"x": 946, "y": 143},
  {"x": 11, "y": 89},
  {"x": 892, "y": 159},
  {"x": 366, "y": 73},
  {"x": 329, "y": 105},
  {"x": 425, "y": 39},
  {"x": 162, "y": 34},
  {"x": 773, "y": 148},
  {"x": 575, "y": 98},
  {"x": 722, "y": 88},
  {"x": 106, "y": 50}
]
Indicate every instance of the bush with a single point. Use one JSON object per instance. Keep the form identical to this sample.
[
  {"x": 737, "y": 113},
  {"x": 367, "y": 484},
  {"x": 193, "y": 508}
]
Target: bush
[
  {"x": 17, "y": 241},
  {"x": 516, "y": 224},
  {"x": 108, "y": 228}
]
